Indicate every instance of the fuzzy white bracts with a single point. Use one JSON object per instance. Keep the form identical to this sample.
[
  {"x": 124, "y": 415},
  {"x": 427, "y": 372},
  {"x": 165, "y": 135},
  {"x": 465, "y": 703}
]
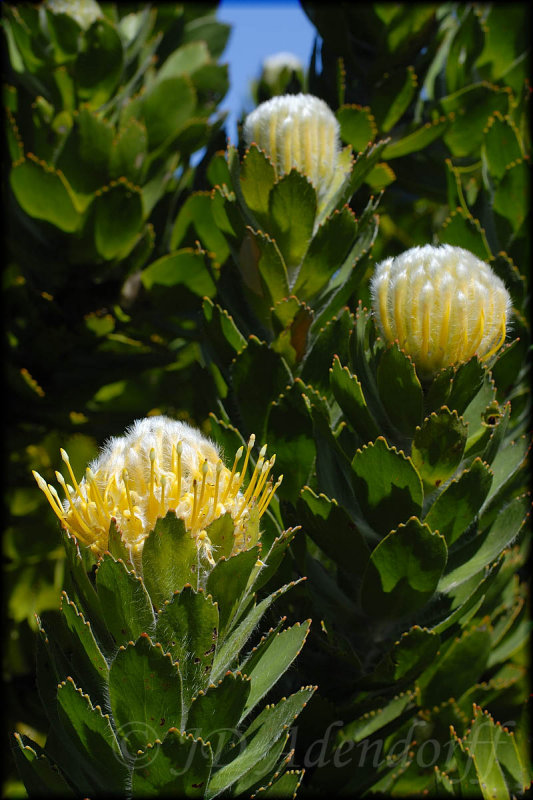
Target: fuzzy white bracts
[
  {"x": 297, "y": 131},
  {"x": 442, "y": 304}
]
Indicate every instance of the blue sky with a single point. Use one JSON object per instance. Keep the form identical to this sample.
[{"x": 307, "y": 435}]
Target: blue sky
[{"x": 259, "y": 28}]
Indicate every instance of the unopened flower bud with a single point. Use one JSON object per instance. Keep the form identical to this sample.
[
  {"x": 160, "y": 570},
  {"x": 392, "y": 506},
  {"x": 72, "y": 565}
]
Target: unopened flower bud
[
  {"x": 297, "y": 131},
  {"x": 442, "y": 304}
]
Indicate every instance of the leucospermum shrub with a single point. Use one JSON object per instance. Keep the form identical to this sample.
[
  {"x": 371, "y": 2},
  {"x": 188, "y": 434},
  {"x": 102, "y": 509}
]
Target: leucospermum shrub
[
  {"x": 402, "y": 433},
  {"x": 405, "y": 462},
  {"x": 144, "y": 676}
]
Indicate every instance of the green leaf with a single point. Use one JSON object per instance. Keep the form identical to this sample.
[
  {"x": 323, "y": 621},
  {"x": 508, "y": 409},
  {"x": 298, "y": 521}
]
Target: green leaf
[
  {"x": 98, "y": 69},
  {"x": 400, "y": 390},
  {"x": 331, "y": 340},
  {"x": 234, "y": 644},
  {"x": 222, "y": 332},
  {"x": 459, "y": 503},
  {"x": 296, "y": 317},
  {"x": 284, "y": 786},
  {"x": 44, "y": 193},
  {"x": 178, "y": 767},
  {"x": 403, "y": 571},
  {"x": 126, "y": 606},
  {"x": 482, "y": 407},
  {"x": 416, "y": 649},
  {"x": 117, "y": 547},
  {"x": 362, "y": 354},
  {"x": 290, "y": 435},
  {"x": 40, "y": 776},
  {"x": 263, "y": 769},
  {"x": 505, "y": 466},
  {"x": 199, "y": 210},
  {"x": 82, "y": 591},
  {"x": 89, "y": 661},
  {"x": 183, "y": 267},
  {"x": 319, "y": 516},
  {"x": 457, "y": 668},
  {"x": 209, "y": 30},
  {"x": 184, "y": 61},
  {"x": 215, "y": 714},
  {"x": 259, "y": 375},
  {"x": 349, "y": 395},
  {"x": 364, "y": 164},
  {"x": 386, "y": 485},
  {"x": 438, "y": 447},
  {"x": 494, "y": 756},
  {"x": 461, "y": 229},
  {"x": 381, "y": 176},
  {"x": 91, "y": 733},
  {"x": 358, "y": 126},
  {"x": 257, "y": 177},
  {"x": 258, "y": 739},
  {"x": 328, "y": 250},
  {"x": 501, "y": 145},
  {"x": 483, "y": 549},
  {"x": 292, "y": 210},
  {"x": 274, "y": 555},
  {"x": 472, "y": 107},
  {"x": 374, "y": 721},
  {"x": 271, "y": 659},
  {"x": 118, "y": 219},
  {"x": 263, "y": 270},
  {"x": 511, "y": 197},
  {"x": 95, "y": 141},
  {"x": 417, "y": 140},
  {"x": 145, "y": 693},
  {"x": 169, "y": 559},
  {"x": 128, "y": 150},
  {"x": 332, "y": 464},
  {"x": 455, "y": 387},
  {"x": 465, "y": 47},
  {"x": 221, "y": 533},
  {"x": 227, "y": 583},
  {"x": 64, "y": 32},
  {"x": 187, "y": 628},
  {"x": 166, "y": 107},
  {"x": 393, "y": 96}
]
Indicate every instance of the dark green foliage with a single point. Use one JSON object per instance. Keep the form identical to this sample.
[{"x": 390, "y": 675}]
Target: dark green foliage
[
  {"x": 170, "y": 670},
  {"x": 411, "y": 494}
]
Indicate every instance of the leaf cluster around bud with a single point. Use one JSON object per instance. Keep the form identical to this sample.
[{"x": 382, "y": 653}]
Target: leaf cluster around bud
[{"x": 148, "y": 677}]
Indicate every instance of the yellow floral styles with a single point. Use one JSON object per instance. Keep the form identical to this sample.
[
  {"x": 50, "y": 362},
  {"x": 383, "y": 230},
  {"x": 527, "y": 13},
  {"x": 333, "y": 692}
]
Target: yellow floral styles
[{"x": 161, "y": 465}]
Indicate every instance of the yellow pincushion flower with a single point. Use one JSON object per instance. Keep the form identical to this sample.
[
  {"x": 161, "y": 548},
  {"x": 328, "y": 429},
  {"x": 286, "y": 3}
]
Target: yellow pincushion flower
[
  {"x": 442, "y": 304},
  {"x": 297, "y": 131},
  {"x": 160, "y": 465}
]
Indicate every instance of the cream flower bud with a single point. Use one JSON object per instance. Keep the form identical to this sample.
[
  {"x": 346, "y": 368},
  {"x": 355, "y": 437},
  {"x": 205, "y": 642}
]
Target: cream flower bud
[
  {"x": 442, "y": 304},
  {"x": 159, "y": 465},
  {"x": 85, "y": 12},
  {"x": 274, "y": 65},
  {"x": 297, "y": 131}
]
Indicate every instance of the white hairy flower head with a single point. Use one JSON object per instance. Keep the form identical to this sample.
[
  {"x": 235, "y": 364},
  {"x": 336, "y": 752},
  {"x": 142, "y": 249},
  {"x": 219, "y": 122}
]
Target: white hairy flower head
[
  {"x": 442, "y": 304},
  {"x": 297, "y": 131},
  {"x": 160, "y": 465}
]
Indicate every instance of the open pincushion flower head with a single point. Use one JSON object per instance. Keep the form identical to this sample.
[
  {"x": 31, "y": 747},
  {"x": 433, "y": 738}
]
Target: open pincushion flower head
[
  {"x": 161, "y": 465},
  {"x": 442, "y": 304}
]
